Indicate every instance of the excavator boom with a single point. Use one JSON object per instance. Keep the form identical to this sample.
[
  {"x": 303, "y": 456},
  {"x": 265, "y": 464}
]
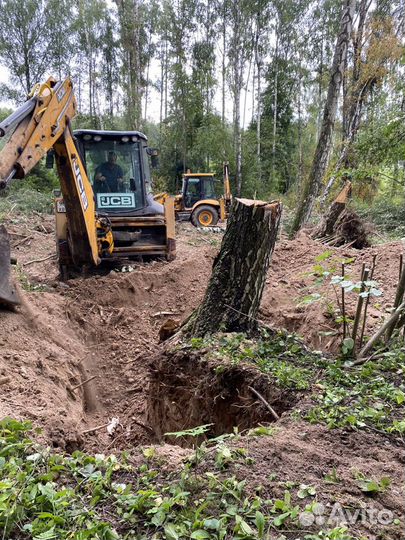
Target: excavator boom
[{"x": 105, "y": 210}]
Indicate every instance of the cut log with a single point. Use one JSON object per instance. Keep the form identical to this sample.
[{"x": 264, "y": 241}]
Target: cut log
[{"x": 234, "y": 292}]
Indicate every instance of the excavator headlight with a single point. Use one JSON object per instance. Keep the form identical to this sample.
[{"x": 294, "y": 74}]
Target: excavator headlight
[
  {"x": 125, "y": 139},
  {"x": 87, "y": 137},
  {"x": 134, "y": 138},
  {"x": 97, "y": 138}
]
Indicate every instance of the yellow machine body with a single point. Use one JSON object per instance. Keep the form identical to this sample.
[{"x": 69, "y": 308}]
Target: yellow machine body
[
  {"x": 197, "y": 207},
  {"x": 92, "y": 225}
]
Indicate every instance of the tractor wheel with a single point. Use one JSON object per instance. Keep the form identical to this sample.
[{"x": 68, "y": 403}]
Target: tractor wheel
[{"x": 204, "y": 216}]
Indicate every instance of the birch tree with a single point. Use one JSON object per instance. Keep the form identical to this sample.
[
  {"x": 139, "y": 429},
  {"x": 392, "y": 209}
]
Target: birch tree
[{"x": 323, "y": 150}]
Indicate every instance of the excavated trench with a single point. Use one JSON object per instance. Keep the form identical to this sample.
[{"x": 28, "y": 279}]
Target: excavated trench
[{"x": 187, "y": 390}]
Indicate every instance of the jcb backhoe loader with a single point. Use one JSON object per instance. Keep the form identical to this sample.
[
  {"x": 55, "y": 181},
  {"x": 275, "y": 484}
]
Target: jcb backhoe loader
[
  {"x": 106, "y": 210},
  {"x": 198, "y": 201}
]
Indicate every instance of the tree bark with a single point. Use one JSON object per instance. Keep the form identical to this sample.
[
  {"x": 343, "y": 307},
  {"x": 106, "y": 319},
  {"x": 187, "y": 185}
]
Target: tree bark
[
  {"x": 275, "y": 112},
  {"x": 233, "y": 295},
  {"x": 322, "y": 153}
]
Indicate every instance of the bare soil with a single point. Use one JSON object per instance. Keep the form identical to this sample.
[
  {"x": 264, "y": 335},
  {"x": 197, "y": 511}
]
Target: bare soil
[{"x": 106, "y": 328}]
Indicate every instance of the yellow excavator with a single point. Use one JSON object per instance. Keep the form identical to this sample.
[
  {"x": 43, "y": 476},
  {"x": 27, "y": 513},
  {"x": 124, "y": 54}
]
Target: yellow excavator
[
  {"x": 198, "y": 202},
  {"x": 105, "y": 209}
]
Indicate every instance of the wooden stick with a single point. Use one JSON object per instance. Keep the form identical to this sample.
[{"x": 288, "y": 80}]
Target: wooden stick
[
  {"x": 97, "y": 428},
  {"x": 40, "y": 260},
  {"x": 364, "y": 276},
  {"x": 343, "y": 304},
  {"x": 390, "y": 321},
  {"x": 270, "y": 408},
  {"x": 84, "y": 382},
  {"x": 22, "y": 241},
  {"x": 164, "y": 313},
  {"x": 367, "y": 303},
  {"x": 399, "y": 295}
]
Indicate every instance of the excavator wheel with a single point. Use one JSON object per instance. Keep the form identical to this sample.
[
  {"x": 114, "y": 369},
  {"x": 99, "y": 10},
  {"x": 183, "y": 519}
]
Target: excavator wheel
[
  {"x": 8, "y": 295},
  {"x": 205, "y": 216}
]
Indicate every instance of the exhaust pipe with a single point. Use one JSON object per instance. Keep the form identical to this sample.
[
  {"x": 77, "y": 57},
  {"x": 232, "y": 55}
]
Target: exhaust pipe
[{"x": 8, "y": 295}]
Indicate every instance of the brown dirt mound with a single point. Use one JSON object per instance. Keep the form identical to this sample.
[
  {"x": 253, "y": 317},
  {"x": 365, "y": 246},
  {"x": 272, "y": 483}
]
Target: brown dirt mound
[
  {"x": 107, "y": 327},
  {"x": 40, "y": 363}
]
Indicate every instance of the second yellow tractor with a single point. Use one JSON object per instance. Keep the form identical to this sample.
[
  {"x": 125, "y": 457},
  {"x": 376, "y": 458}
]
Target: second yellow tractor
[{"x": 198, "y": 201}]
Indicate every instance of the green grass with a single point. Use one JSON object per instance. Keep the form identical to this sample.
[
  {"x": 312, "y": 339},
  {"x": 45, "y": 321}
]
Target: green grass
[
  {"x": 25, "y": 201},
  {"x": 369, "y": 396}
]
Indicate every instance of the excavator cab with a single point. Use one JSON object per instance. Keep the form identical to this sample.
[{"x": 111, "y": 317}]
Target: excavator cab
[
  {"x": 197, "y": 188},
  {"x": 117, "y": 165},
  {"x": 118, "y": 168}
]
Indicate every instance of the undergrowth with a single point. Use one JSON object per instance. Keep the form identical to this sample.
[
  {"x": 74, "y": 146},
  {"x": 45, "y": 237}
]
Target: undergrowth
[
  {"x": 45, "y": 496},
  {"x": 370, "y": 396},
  {"x": 26, "y": 201},
  {"x": 387, "y": 214}
]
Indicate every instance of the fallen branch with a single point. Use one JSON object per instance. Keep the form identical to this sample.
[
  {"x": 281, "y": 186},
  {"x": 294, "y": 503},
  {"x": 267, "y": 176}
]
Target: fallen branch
[
  {"x": 97, "y": 428},
  {"x": 34, "y": 261},
  {"x": 164, "y": 313},
  {"x": 84, "y": 382},
  {"x": 22, "y": 241},
  {"x": 266, "y": 403},
  {"x": 390, "y": 321}
]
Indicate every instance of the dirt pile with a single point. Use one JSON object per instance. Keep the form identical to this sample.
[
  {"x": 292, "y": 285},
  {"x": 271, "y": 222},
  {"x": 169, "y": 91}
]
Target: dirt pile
[
  {"x": 106, "y": 328},
  {"x": 296, "y": 274},
  {"x": 40, "y": 364}
]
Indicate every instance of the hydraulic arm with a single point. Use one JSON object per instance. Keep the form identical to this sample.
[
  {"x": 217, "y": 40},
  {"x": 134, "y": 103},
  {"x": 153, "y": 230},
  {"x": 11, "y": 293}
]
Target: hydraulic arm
[
  {"x": 106, "y": 210},
  {"x": 44, "y": 123}
]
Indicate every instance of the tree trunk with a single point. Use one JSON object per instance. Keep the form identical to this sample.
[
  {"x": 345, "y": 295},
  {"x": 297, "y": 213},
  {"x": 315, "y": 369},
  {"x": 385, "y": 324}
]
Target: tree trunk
[
  {"x": 322, "y": 153},
  {"x": 275, "y": 105},
  {"x": 258, "y": 126},
  {"x": 233, "y": 295},
  {"x": 223, "y": 66}
]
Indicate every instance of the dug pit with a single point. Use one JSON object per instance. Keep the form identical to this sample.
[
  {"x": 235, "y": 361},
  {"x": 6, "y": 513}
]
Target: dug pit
[{"x": 187, "y": 390}]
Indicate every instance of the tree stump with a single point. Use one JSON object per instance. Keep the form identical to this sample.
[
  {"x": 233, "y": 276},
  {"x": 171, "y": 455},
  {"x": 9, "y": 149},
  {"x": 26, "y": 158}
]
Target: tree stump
[
  {"x": 234, "y": 292},
  {"x": 328, "y": 223}
]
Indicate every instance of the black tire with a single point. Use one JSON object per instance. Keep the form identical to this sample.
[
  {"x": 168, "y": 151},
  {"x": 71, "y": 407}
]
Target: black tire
[{"x": 205, "y": 216}]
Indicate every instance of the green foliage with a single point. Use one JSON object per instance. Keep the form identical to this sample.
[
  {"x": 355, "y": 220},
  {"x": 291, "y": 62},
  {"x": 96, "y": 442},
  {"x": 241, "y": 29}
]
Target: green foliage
[
  {"x": 25, "y": 201},
  {"x": 33, "y": 193},
  {"x": 25, "y": 282},
  {"x": 372, "y": 487},
  {"x": 387, "y": 214},
  {"x": 45, "y": 495},
  {"x": 338, "y": 533},
  {"x": 192, "y": 432},
  {"x": 363, "y": 397}
]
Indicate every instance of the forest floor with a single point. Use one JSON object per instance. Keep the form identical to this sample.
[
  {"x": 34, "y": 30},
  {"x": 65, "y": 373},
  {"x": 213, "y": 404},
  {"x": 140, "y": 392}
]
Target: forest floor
[{"x": 106, "y": 328}]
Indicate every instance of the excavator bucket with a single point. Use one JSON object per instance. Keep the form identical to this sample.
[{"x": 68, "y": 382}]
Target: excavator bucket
[{"x": 8, "y": 295}]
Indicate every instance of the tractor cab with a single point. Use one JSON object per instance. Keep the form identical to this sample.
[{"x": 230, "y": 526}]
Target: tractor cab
[
  {"x": 197, "y": 187},
  {"x": 117, "y": 164}
]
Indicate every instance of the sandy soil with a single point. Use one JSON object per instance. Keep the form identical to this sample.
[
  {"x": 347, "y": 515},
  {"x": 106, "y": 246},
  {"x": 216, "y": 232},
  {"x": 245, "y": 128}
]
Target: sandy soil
[{"x": 106, "y": 328}]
